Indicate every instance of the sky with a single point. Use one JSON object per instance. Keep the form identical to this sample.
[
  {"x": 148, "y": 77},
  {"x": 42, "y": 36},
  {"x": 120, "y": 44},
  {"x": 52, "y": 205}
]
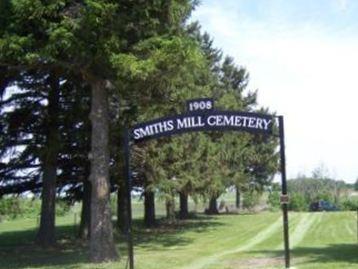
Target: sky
[{"x": 302, "y": 56}]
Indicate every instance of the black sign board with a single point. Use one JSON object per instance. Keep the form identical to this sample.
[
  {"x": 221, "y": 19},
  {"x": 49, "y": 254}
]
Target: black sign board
[{"x": 203, "y": 121}]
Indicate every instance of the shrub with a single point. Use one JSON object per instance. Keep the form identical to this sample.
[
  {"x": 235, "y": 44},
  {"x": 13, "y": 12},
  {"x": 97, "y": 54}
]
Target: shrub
[
  {"x": 10, "y": 207},
  {"x": 31, "y": 208},
  {"x": 251, "y": 199},
  {"x": 15, "y": 207},
  {"x": 62, "y": 207},
  {"x": 350, "y": 204},
  {"x": 274, "y": 200},
  {"x": 297, "y": 202}
]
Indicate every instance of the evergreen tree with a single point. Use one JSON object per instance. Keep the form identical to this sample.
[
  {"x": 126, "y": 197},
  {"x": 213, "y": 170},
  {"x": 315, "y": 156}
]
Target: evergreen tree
[
  {"x": 45, "y": 133},
  {"x": 104, "y": 42},
  {"x": 135, "y": 61},
  {"x": 243, "y": 159},
  {"x": 46, "y": 233}
]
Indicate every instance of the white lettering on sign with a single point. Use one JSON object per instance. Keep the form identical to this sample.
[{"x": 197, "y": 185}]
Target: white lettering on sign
[
  {"x": 239, "y": 121},
  {"x": 200, "y": 105},
  {"x": 153, "y": 129},
  {"x": 190, "y": 122},
  {"x": 210, "y": 121},
  {"x": 266, "y": 123}
]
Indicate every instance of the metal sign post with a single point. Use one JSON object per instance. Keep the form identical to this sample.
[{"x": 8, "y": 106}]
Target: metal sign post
[
  {"x": 129, "y": 199},
  {"x": 284, "y": 191}
]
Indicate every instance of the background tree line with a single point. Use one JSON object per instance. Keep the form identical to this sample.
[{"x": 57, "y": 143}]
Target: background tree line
[
  {"x": 305, "y": 190},
  {"x": 74, "y": 74}
]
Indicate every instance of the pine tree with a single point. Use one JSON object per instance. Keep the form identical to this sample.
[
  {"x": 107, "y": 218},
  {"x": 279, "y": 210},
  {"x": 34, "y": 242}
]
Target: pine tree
[
  {"x": 104, "y": 42},
  {"x": 44, "y": 133}
]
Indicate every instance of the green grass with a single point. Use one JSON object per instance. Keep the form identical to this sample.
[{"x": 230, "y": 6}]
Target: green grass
[{"x": 318, "y": 240}]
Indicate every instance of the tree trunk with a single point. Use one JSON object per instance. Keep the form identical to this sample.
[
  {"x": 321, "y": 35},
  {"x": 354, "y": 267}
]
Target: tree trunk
[
  {"x": 238, "y": 197},
  {"x": 84, "y": 232},
  {"x": 122, "y": 207},
  {"x": 213, "y": 207},
  {"x": 170, "y": 208},
  {"x": 46, "y": 234},
  {"x": 102, "y": 247},
  {"x": 184, "y": 211},
  {"x": 149, "y": 208}
]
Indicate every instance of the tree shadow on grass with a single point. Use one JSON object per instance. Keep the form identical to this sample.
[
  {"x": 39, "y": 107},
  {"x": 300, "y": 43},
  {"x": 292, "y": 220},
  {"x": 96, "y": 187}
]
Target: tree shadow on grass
[
  {"x": 166, "y": 234},
  {"x": 334, "y": 253},
  {"x": 25, "y": 237},
  {"x": 18, "y": 251}
]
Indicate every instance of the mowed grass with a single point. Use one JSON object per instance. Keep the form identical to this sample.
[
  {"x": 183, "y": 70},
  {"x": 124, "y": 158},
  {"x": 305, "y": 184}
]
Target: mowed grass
[{"x": 318, "y": 240}]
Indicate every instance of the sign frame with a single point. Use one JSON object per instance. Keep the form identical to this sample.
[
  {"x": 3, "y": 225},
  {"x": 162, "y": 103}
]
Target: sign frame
[{"x": 129, "y": 138}]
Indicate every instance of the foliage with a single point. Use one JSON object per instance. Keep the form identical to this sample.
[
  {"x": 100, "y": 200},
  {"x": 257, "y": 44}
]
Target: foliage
[
  {"x": 148, "y": 60},
  {"x": 274, "y": 200},
  {"x": 303, "y": 191},
  {"x": 298, "y": 202},
  {"x": 349, "y": 204},
  {"x": 205, "y": 164},
  {"x": 25, "y": 123},
  {"x": 251, "y": 199},
  {"x": 62, "y": 207},
  {"x": 158, "y": 58},
  {"x": 12, "y": 207}
]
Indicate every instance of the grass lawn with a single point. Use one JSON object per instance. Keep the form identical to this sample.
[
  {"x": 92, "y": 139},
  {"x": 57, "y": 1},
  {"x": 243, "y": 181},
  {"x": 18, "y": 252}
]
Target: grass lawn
[{"x": 318, "y": 240}]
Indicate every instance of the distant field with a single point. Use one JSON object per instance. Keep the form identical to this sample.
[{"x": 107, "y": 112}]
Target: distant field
[{"x": 319, "y": 240}]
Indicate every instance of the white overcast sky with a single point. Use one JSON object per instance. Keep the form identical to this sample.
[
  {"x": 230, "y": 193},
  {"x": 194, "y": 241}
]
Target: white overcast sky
[{"x": 302, "y": 56}]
